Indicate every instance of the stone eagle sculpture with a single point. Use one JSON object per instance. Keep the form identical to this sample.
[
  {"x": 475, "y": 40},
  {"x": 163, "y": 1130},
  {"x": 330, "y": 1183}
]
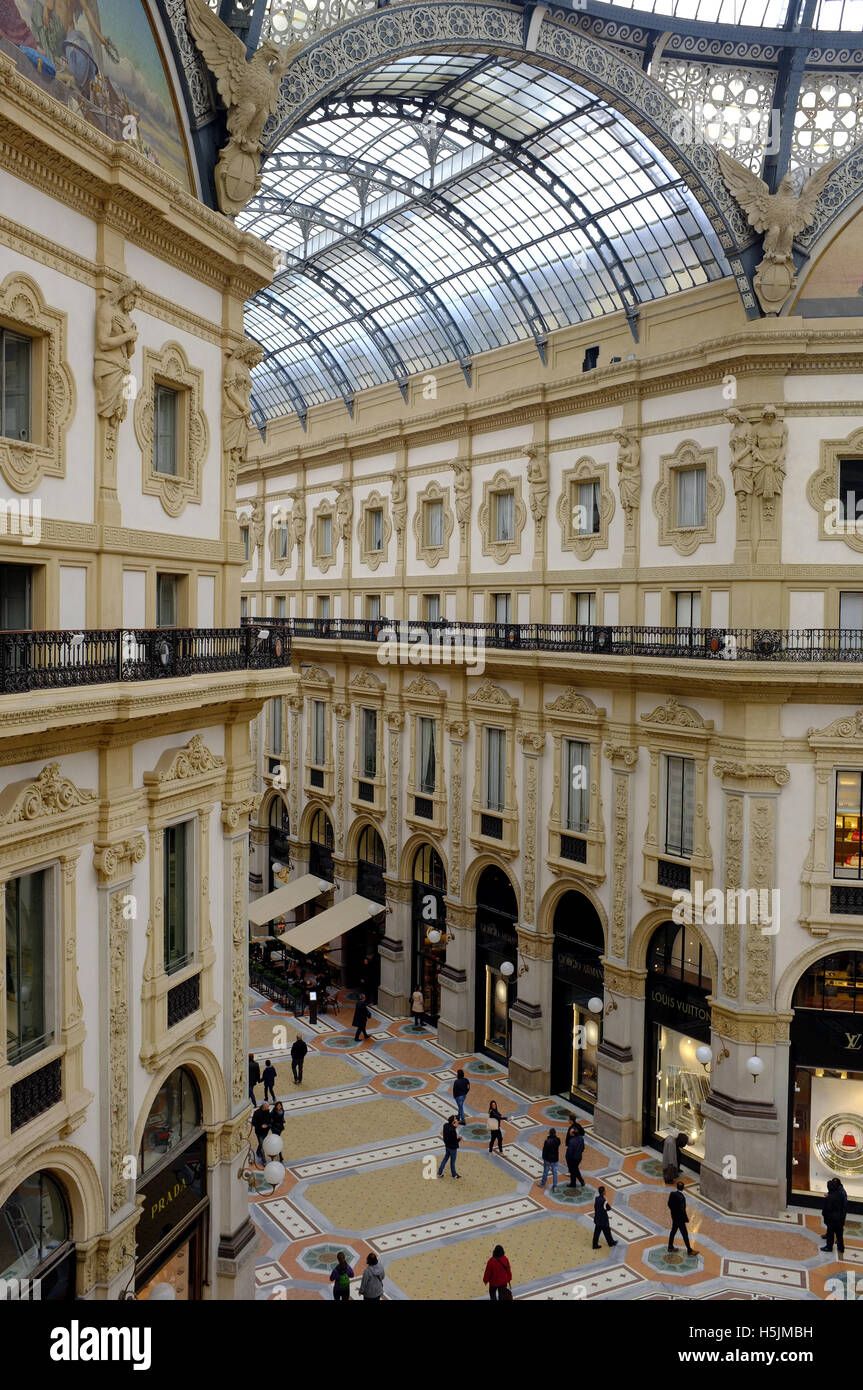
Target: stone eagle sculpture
[
  {"x": 250, "y": 90},
  {"x": 780, "y": 216}
]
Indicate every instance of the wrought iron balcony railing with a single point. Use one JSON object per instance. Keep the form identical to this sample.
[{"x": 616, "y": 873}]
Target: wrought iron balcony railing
[
  {"x": 455, "y": 642},
  {"x": 58, "y": 660}
]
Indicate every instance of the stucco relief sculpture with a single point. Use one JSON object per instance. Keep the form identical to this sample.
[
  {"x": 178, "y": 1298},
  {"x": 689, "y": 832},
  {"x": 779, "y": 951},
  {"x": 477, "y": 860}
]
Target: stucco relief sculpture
[
  {"x": 780, "y": 216},
  {"x": 537, "y": 476},
  {"x": 462, "y": 488},
  {"x": 250, "y": 90},
  {"x": 399, "y": 499},
  {"x": 629, "y": 470},
  {"x": 769, "y": 445},
  {"x": 237, "y": 404},
  {"x": 116, "y": 336},
  {"x": 297, "y": 524},
  {"x": 344, "y": 512}
]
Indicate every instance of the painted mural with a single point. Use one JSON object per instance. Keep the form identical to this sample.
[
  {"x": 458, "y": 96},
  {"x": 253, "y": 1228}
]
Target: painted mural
[{"x": 100, "y": 58}]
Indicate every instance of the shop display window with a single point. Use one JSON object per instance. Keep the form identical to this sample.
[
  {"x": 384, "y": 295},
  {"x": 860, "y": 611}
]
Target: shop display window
[
  {"x": 174, "y": 1115},
  {"x": 682, "y": 1085},
  {"x": 496, "y": 1010},
  {"x": 585, "y": 1041}
]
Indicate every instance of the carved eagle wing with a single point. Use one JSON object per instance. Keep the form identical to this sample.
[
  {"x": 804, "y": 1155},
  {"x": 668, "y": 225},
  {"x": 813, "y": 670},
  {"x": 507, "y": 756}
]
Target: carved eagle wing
[
  {"x": 222, "y": 51},
  {"x": 809, "y": 194},
  {"x": 748, "y": 189}
]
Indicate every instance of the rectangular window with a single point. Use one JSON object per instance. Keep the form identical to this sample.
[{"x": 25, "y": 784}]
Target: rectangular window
[
  {"x": 505, "y": 516},
  {"x": 434, "y": 523},
  {"x": 281, "y": 608},
  {"x": 586, "y": 519},
  {"x": 432, "y": 608},
  {"x": 319, "y": 733},
  {"x": 15, "y": 597},
  {"x": 679, "y": 806},
  {"x": 584, "y": 609},
  {"x": 851, "y": 620},
  {"x": 847, "y": 858},
  {"x": 323, "y": 605},
  {"x": 16, "y": 371},
  {"x": 29, "y": 967},
  {"x": 176, "y": 850},
  {"x": 851, "y": 489},
  {"x": 276, "y": 727},
  {"x": 369, "y": 750},
  {"x": 244, "y": 608},
  {"x": 166, "y": 410},
  {"x": 495, "y": 769},
  {"x": 375, "y": 529},
  {"x": 691, "y": 497},
  {"x": 325, "y": 535},
  {"x": 373, "y": 607},
  {"x": 687, "y": 608},
  {"x": 167, "y": 596},
  {"x": 244, "y": 536},
  {"x": 576, "y": 782},
  {"x": 502, "y": 607},
  {"x": 427, "y": 758},
  {"x": 282, "y": 542}
]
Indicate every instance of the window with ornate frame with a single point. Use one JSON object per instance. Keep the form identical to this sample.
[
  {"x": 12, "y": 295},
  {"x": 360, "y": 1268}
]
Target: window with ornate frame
[
  {"x": 433, "y": 524},
  {"x": 173, "y": 475},
  {"x": 426, "y": 804},
  {"x": 502, "y": 516},
  {"x": 319, "y": 773},
  {"x": 367, "y": 727},
  {"x": 585, "y": 508},
  {"x": 25, "y": 315},
  {"x": 835, "y": 490},
  {"x": 323, "y": 536},
  {"x": 494, "y": 807},
  {"x": 677, "y": 847},
  {"x": 374, "y": 530},
  {"x": 576, "y": 842},
  {"x": 688, "y": 497}
]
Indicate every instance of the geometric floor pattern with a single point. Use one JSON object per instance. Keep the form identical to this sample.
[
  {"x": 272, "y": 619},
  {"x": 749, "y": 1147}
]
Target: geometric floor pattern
[{"x": 362, "y": 1147}]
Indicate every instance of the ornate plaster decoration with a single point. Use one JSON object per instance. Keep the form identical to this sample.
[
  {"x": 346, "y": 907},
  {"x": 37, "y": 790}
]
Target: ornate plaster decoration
[
  {"x": 780, "y": 215},
  {"x": 753, "y": 772},
  {"x": 822, "y": 491},
  {"x": 118, "y": 1047},
  {"x": 180, "y": 764},
  {"x": 364, "y": 680},
  {"x": 117, "y": 859},
  {"x": 673, "y": 712},
  {"x": 531, "y": 741},
  {"x": 24, "y": 463},
  {"x": 320, "y": 560},
  {"x": 758, "y": 951},
  {"x": 399, "y": 500},
  {"x": 537, "y": 477},
  {"x": 584, "y": 544},
  {"x": 489, "y": 694},
  {"x": 424, "y": 689},
  {"x": 734, "y": 806},
  {"x": 620, "y": 876},
  {"x": 298, "y": 521},
  {"x": 239, "y": 971},
  {"x": 462, "y": 486},
  {"x": 250, "y": 91},
  {"x": 51, "y": 794},
  {"x": 629, "y": 482},
  {"x": 433, "y": 554},
  {"x": 235, "y": 811},
  {"x": 237, "y": 405},
  {"x": 344, "y": 513},
  {"x": 171, "y": 368},
  {"x": 369, "y": 557},
  {"x": 686, "y": 539},
  {"x": 570, "y": 702},
  {"x": 501, "y": 550},
  {"x": 619, "y": 753},
  {"x": 316, "y": 675},
  {"x": 849, "y": 727}
]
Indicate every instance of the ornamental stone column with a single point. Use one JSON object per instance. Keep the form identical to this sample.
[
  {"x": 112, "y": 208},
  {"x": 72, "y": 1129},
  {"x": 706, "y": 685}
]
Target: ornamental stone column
[
  {"x": 395, "y": 951},
  {"x": 457, "y": 980}
]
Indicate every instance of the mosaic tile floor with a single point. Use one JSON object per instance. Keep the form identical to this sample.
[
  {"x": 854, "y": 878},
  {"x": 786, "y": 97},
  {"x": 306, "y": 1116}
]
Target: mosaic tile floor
[{"x": 362, "y": 1147}]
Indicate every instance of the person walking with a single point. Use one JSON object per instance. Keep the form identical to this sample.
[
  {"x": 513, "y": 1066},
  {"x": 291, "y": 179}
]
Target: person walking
[
  {"x": 298, "y": 1057},
  {"x": 261, "y": 1126},
  {"x": 361, "y": 1017},
  {"x": 254, "y": 1078},
  {"x": 573, "y": 1155},
  {"x": 418, "y": 1005},
  {"x": 460, "y": 1088},
  {"x": 372, "y": 1282},
  {"x": 550, "y": 1159},
  {"x": 670, "y": 1165},
  {"x": 833, "y": 1213},
  {"x": 451, "y": 1141},
  {"x": 601, "y": 1225},
  {"x": 495, "y": 1123},
  {"x": 572, "y": 1129},
  {"x": 268, "y": 1076},
  {"x": 679, "y": 1218},
  {"x": 341, "y": 1275},
  {"x": 498, "y": 1275},
  {"x": 277, "y": 1120}
]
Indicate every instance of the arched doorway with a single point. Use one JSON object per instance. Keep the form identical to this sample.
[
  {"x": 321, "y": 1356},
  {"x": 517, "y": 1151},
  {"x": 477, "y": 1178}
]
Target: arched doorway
[
  {"x": 362, "y": 959},
  {"x": 825, "y": 1113},
  {"x": 428, "y": 914},
  {"x": 279, "y": 826},
  {"x": 676, "y": 1023},
  {"x": 496, "y": 943},
  {"x": 172, "y": 1179},
  {"x": 576, "y": 979},
  {"x": 321, "y": 845},
  {"x": 36, "y": 1248}
]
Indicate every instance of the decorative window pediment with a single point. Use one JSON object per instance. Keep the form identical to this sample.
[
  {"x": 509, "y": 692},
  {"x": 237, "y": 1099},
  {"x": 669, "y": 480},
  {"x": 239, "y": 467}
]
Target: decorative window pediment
[
  {"x": 374, "y": 531},
  {"x": 281, "y": 539},
  {"x": 49, "y": 794},
  {"x": 182, "y": 765},
  {"x": 584, "y": 512},
  {"x": 323, "y": 532},
  {"x": 575, "y": 706},
  {"x": 687, "y": 457},
  {"x": 501, "y": 520},
  {"x": 433, "y": 529},
  {"x": 823, "y": 492},
  {"x": 171, "y": 368},
  {"x": 673, "y": 715},
  {"x": 25, "y": 462},
  {"x": 489, "y": 694}
]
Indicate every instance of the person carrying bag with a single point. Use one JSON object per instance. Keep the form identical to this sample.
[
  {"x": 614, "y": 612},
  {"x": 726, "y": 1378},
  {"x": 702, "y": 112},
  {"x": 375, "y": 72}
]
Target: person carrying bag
[{"x": 498, "y": 1276}]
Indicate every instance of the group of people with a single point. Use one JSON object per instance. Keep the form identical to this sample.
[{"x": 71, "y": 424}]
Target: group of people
[{"x": 371, "y": 1284}]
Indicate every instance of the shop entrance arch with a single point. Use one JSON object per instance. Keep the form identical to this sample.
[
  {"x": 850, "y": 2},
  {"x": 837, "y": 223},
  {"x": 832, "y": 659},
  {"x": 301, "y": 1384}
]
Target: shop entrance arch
[{"x": 496, "y": 943}]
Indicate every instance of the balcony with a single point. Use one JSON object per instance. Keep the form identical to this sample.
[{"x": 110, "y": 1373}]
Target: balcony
[
  {"x": 65, "y": 659},
  {"x": 454, "y": 639}
]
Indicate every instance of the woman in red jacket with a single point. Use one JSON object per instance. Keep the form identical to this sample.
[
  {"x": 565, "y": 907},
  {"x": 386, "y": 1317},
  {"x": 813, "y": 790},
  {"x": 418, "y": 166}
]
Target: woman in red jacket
[{"x": 498, "y": 1274}]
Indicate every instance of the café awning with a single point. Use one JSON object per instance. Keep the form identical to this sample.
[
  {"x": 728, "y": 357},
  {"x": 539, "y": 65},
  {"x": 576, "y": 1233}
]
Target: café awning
[
  {"x": 326, "y": 926},
  {"x": 286, "y": 898}
]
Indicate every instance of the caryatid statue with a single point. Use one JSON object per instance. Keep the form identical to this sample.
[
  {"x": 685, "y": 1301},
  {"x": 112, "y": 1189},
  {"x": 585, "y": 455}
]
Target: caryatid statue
[
  {"x": 297, "y": 521},
  {"x": 769, "y": 443},
  {"x": 629, "y": 470},
  {"x": 537, "y": 476},
  {"x": 344, "y": 511},
  {"x": 740, "y": 448},
  {"x": 116, "y": 336},
  {"x": 462, "y": 489},
  {"x": 237, "y": 403},
  {"x": 399, "y": 499}
]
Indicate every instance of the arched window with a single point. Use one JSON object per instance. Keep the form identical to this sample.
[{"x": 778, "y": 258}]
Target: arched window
[
  {"x": 577, "y": 919},
  {"x": 676, "y": 951},
  {"x": 428, "y": 868},
  {"x": 174, "y": 1116},
  {"x": 833, "y": 983},
  {"x": 321, "y": 832},
  {"x": 279, "y": 818},
  {"x": 494, "y": 891},
  {"x": 371, "y": 848},
  {"x": 34, "y": 1224}
]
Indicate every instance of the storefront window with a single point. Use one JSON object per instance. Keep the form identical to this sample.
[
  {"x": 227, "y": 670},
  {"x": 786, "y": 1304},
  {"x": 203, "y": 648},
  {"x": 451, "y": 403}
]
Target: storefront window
[
  {"x": 847, "y": 858},
  {"x": 173, "y": 1117},
  {"x": 496, "y": 939},
  {"x": 34, "y": 1225},
  {"x": 429, "y": 914},
  {"x": 677, "y": 1023},
  {"x": 496, "y": 1010},
  {"x": 682, "y": 1084},
  {"x": 585, "y": 1040}
]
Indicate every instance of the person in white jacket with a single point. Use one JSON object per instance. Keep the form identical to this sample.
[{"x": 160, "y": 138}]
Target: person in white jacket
[
  {"x": 418, "y": 1005},
  {"x": 372, "y": 1282}
]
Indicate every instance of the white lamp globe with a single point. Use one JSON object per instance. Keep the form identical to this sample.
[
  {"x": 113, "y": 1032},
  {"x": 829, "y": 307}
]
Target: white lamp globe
[
  {"x": 704, "y": 1054},
  {"x": 595, "y": 1005},
  {"x": 272, "y": 1145},
  {"x": 277, "y": 867},
  {"x": 754, "y": 1065},
  {"x": 507, "y": 968},
  {"x": 162, "y": 1293},
  {"x": 434, "y": 936},
  {"x": 274, "y": 1174}
]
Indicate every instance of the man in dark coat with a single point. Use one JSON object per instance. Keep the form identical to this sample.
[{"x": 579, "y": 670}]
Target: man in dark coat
[
  {"x": 298, "y": 1056},
  {"x": 601, "y": 1226},
  {"x": 261, "y": 1126},
  {"x": 361, "y": 1018},
  {"x": 268, "y": 1076},
  {"x": 574, "y": 1155},
  {"x": 834, "y": 1212},
  {"x": 679, "y": 1219},
  {"x": 254, "y": 1078},
  {"x": 451, "y": 1141}
]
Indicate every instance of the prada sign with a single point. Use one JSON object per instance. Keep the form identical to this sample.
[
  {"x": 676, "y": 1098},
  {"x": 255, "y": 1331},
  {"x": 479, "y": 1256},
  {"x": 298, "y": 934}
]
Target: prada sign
[
  {"x": 171, "y": 1195},
  {"x": 828, "y": 1038}
]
